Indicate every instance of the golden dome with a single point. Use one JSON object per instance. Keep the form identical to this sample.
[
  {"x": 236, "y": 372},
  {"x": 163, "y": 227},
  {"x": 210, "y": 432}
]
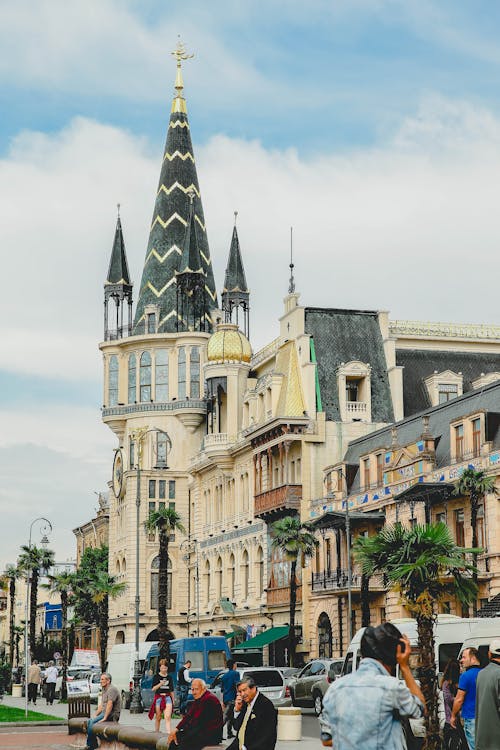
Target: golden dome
[{"x": 228, "y": 344}]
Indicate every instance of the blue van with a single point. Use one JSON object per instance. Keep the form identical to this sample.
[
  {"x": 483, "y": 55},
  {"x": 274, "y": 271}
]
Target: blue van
[{"x": 207, "y": 655}]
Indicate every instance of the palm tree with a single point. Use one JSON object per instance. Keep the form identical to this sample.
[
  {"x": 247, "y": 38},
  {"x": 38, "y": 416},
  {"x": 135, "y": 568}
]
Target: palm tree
[
  {"x": 296, "y": 540},
  {"x": 12, "y": 573},
  {"x": 166, "y": 521},
  {"x": 474, "y": 485},
  {"x": 424, "y": 565},
  {"x": 103, "y": 588},
  {"x": 32, "y": 561},
  {"x": 62, "y": 584}
]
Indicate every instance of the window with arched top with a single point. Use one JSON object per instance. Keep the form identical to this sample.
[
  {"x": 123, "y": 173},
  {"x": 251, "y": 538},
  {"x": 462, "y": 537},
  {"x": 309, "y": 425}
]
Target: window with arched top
[
  {"x": 181, "y": 372},
  {"x": 113, "y": 381},
  {"x": 260, "y": 572},
  {"x": 231, "y": 577},
  {"x": 207, "y": 581},
  {"x": 194, "y": 372},
  {"x": 245, "y": 574},
  {"x": 132, "y": 378},
  {"x": 155, "y": 566},
  {"x": 218, "y": 579},
  {"x": 161, "y": 375},
  {"x": 118, "y": 567},
  {"x": 145, "y": 377},
  {"x": 124, "y": 566}
]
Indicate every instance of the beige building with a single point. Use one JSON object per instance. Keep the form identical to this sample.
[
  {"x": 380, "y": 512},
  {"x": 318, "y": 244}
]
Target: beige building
[{"x": 235, "y": 440}]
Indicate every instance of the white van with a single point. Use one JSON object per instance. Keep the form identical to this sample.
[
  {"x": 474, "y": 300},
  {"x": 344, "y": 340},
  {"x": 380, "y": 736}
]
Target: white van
[
  {"x": 121, "y": 664},
  {"x": 480, "y": 636},
  {"x": 450, "y": 633}
]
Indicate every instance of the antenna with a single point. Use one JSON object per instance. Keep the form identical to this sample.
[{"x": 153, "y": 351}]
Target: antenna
[{"x": 291, "y": 284}]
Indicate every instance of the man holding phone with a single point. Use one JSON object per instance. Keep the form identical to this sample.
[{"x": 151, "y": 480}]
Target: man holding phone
[{"x": 364, "y": 708}]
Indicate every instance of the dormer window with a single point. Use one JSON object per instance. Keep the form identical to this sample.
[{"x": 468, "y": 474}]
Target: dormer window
[
  {"x": 354, "y": 389},
  {"x": 447, "y": 391},
  {"x": 444, "y": 386},
  {"x": 152, "y": 315}
]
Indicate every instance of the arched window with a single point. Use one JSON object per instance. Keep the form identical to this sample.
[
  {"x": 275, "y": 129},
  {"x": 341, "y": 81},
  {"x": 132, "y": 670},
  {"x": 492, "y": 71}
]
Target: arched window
[
  {"x": 120, "y": 636},
  {"x": 145, "y": 377},
  {"x": 118, "y": 567},
  {"x": 194, "y": 372},
  {"x": 132, "y": 379},
  {"x": 245, "y": 574},
  {"x": 155, "y": 565},
  {"x": 207, "y": 581},
  {"x": 124, "y": 566},
  {"x": 161, "y": 375},
  {"x": 113, "y": 381},
  {"x": 218, "y": 579},
  {"x": 324, "y": 637},
  {"x": 231, "y": 577},
  {"x": 181, "y": 373},
  {"x": 260, "y": 572}
]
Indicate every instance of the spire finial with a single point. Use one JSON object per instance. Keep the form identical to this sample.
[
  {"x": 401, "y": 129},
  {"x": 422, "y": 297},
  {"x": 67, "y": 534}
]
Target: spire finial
[
  {"x": 291, "y": 285},
  {"x": 118, "y": 209},
  {"x": 235, "y": 217},
  {"x": 180, "y": 54}
]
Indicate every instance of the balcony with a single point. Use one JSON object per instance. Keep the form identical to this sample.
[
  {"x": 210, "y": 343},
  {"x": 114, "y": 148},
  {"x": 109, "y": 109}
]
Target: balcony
[
  {"x": 216, "y": 440},
  {"x": 333, "y": 580},
  {"x": 356, "y": 408},
  {"x": 279, "y": 596},
  {"x": 278, "y": 502}
]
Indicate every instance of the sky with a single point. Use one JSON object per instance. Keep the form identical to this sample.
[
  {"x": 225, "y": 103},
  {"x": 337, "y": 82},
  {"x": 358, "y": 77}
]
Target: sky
[{"x": 370, "y": 126}]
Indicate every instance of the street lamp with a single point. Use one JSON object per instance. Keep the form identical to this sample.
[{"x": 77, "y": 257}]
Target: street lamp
[
  {"x": 190, "y": 546},
  {"x": 138, "y": 436},
  {"x": 46, "y": 527},
  {"x": 348, "y": 545}
]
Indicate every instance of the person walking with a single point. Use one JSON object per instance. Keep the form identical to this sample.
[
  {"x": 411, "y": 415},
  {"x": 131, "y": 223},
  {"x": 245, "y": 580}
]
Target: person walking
[
  {"x": 108, "y": 709},
  {"x": 364, "y": 708},
  {"x": 256, "y": 723},
  {"x": 229, "y": 681},
  {"x": 34, "y": 680},
  {"x": 183, "y": 683},
  {"x": 202, "y": 723},
  {"x": 488, "y": 701},
  {"x": 465, "y": 699},
  {"x": 162, "y": 703},
  {"x": 51, "y": 675},
  {"x": 454, "y": 738}
]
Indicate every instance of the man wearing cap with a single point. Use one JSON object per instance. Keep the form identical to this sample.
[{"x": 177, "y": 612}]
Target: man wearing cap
[
  {"x": 364, "y": 708},
  {"x": 488, "y": 701}
]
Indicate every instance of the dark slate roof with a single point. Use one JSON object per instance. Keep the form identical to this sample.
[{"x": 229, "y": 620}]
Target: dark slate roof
[
  {"x": 118, "y": 266},
  {"x": 170, "y": 217},
  {"x": 410, "y": 429},
  {"x": 235, "y": 280},
  {"x": 342, "y": 336},
  {"x": 419, "y": 364},
  {"x": 191, "y": 261}
]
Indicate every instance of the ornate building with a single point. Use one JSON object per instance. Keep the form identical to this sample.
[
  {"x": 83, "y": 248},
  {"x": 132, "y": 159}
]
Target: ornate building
[{"x": 235, "y": 440}]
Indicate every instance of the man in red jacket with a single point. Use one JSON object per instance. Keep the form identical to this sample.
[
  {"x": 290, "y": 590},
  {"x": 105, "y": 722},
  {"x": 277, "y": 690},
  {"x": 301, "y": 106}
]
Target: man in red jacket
[{"x": 202, "y": 725}]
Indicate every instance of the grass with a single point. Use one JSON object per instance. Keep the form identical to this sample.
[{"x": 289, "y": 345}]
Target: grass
[{"x": 9, "y": 713}]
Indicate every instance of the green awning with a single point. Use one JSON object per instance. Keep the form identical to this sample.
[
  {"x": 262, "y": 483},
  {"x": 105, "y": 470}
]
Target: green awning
[
  {"x": 264, "y": 638},
  {"x": 230, "y": 635}
]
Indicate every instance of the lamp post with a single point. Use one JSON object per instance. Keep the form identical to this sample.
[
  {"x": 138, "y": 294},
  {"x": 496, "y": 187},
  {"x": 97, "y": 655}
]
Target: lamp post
[
  {"x": 45, "y": 528},
  {"x": 191, "y": 547},
  {"x": 138, "y": 436},
  {"x": 348, "y": 545}
]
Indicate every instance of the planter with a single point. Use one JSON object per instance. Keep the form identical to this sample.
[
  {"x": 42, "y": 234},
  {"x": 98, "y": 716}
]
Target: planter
[{"x": 17, "y": 691}]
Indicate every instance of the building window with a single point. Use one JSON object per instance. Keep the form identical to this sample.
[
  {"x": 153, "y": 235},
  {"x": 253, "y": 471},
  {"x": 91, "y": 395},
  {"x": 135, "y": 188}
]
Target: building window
[
  {"x": 324, "y": 637},
  {"x": 171, "y": 489},
  {"x": 151, "y": 322},
  {"x": 328, "y": 555},
  {"x": 459, "y": 527},
  {"x": 132, "y": 379},
  {"x": 446, "y": 391},
  {"x": 152, "y": 488},
  {"x": 441, "y": 518},
  {"x": 161, "y": 489},
  {"x": 162, "y": 445},
  {"x": 382, "y": 615},
  {"x": 366, "y": 472},
  {"x": 476, "y": 436},
  {"x": 155, "y": 565},
  {"x": 481, "y": 540},
  {"x": 260, "y": 571},
  {"x": 151, "y": 508},
  {"x": 245, "y": 575},
  {"x": 231, "y": 577},
  {"x": 380, "y": 469},
  {"x": 161, "y": 375},
  {"x": 446, "y": 608},
  {"x": 181, "y": 372},
  {"x": 207, "y": 581},
  {"x": 113, "y": 381},
  {"x": 459, "y": 442},
  {"x": 131, "y": 455},
  {"x": 352, "y": 389},
  {"x": 194, "y": 372},
  {"x": 218, "y": 579},
  {"x": 145, "y": 377}
]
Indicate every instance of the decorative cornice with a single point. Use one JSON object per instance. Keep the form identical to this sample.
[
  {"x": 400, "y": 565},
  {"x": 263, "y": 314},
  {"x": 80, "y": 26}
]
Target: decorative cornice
[{"x": 443, "y": 330}]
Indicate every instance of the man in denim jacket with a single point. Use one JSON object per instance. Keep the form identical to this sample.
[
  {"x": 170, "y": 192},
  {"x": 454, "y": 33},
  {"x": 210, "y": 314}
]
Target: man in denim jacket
[{"x": 363, "y": 708}]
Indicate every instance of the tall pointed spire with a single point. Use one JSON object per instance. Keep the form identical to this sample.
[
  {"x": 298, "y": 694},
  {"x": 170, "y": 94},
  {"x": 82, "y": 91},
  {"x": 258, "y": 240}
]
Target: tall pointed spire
[
  {"x": 118, "y": 287},
  {"x": 171, "y": 217},
  {"x": 190, "y": 279},
  {"x": 235, "y": 295}
]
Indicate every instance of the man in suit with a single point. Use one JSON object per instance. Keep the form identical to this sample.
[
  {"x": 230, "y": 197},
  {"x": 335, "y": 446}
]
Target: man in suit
[{"x": 255, "y": 724}]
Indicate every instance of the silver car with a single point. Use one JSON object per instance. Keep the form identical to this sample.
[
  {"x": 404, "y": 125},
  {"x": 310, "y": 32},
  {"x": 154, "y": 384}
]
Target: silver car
[
  {"x": 269, "y": 680},
  {"x": 311, "y": 683}
]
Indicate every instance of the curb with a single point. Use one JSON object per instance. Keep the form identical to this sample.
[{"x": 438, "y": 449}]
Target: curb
[{"x": 61, "y": 723}]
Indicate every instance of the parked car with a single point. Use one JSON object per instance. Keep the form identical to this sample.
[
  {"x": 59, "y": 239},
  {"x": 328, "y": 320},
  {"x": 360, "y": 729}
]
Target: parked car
[
  {"x": 308, "y": 687},
  {"x": 269, "y": 680}
]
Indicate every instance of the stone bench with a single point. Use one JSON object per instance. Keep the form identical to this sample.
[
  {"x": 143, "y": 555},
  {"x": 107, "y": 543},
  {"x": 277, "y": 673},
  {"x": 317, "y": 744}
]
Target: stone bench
[{"x": 115, "y": 736}]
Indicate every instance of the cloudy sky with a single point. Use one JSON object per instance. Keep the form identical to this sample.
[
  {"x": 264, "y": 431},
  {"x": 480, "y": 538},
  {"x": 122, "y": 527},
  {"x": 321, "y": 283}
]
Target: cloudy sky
[{"x": 371, "y": 126}]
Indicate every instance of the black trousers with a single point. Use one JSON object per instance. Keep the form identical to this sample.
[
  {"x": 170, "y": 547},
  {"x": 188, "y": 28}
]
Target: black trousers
[
  {"x": 50, "y": 688},
  {"x": 32, "y": 691}
]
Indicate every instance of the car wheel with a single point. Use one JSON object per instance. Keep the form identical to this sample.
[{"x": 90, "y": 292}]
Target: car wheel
[{"x": 317, "y": 703}]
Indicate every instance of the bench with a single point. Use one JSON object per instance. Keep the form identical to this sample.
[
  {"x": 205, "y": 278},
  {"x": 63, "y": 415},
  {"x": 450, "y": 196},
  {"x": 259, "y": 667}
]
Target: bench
[{"x": 115, "y": 736}]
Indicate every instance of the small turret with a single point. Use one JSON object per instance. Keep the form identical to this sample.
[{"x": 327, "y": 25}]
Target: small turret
[
  {"x": 118, "y": 288},
  {"x": 236, "y": 295},
  {"x": 191, "y": 303}
]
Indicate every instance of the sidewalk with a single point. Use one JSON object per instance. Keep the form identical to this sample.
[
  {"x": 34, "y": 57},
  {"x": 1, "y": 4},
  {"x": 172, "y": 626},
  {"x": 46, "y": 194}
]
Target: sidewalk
[{"x": 57, "y": 738}]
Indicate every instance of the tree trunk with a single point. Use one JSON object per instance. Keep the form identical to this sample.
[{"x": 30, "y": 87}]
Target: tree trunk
[
  {"x": 474, "y": 505},
  {"x": 365, "y": 600},
  {"x": 64, "y": 643},
  {"x": 12, "y": 596},
  {"x": 103, "y": 631},
  {"x": 293, "y": 603},
  {"x": 164, "y": 643},
  {"x": 33, "y": 603},
  {"x": 428, "y": 680}
]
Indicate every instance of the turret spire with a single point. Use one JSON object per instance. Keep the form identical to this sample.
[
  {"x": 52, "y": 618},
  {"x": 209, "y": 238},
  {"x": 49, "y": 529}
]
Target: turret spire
[
  {"x": 118, "y": 287},
  {"x": 236, "y": 295},
  {"x": 171, "y": 217}
]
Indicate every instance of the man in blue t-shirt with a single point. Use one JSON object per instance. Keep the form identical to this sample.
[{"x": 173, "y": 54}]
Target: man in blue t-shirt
[
  {"x": 229, "y": 680},
  {"x": 465, "y": 699}
]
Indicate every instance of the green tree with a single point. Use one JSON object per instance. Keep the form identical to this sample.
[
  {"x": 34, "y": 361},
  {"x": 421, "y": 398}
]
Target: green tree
[
  {"x": 104, "y": 588},
  {"x": 296, "y": 541},
  {"x": 474, "y": 485},
  {"x": 62, "y": 585},
  {"x": 33, "y": 561},
  {"x": 18, "y": 634},
  {"x": 424, "y": 565},
  {"x": 166, "y": 521}
]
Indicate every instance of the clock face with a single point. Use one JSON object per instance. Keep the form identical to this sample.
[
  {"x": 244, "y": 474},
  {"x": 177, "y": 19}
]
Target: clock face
[{"x": 118, "y": 486}]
